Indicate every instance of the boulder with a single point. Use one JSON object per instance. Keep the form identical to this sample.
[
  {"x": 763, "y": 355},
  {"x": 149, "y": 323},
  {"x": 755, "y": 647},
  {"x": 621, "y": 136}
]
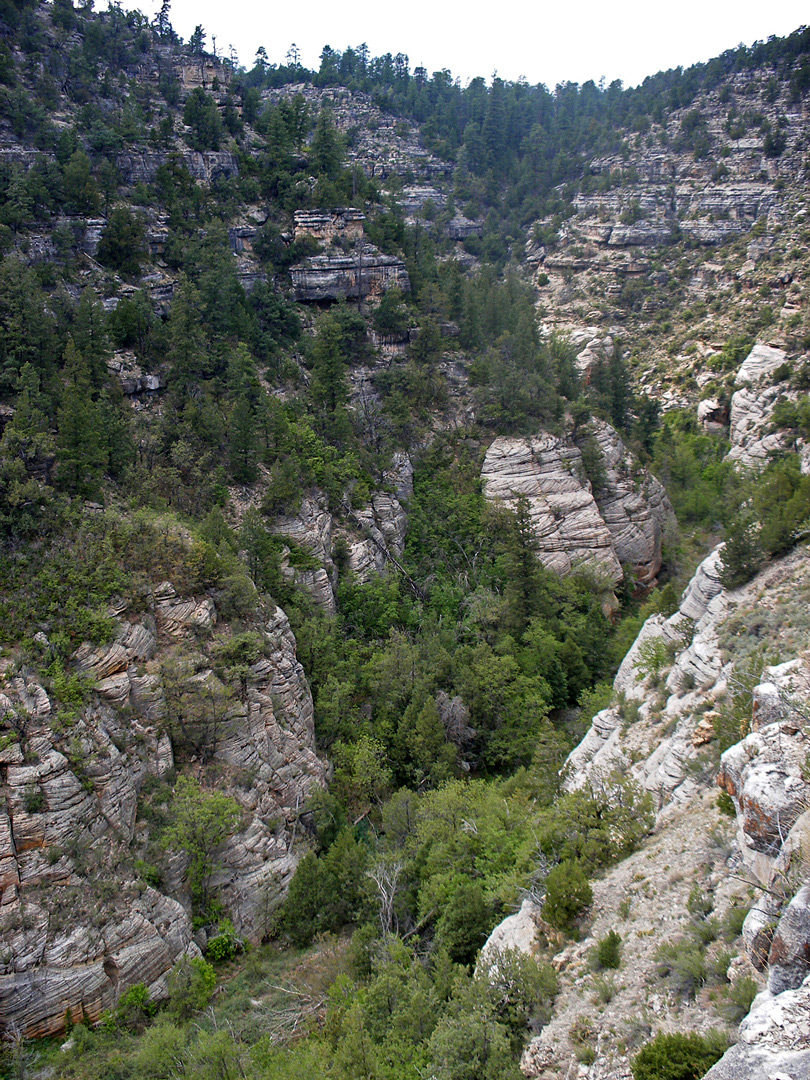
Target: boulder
[
  {"x": 518, "y": 931},
  {"x": 789, "y": 956},
  {"x": 759, "y": 366},
  {"x": 774, "y": 1040},
  {"x": 713, "y": 415},
  {"x": 764, "y": 775}
]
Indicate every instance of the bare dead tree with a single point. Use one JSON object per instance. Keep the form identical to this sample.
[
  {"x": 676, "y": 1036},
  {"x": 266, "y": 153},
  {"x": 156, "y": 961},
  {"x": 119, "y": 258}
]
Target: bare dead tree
[{"x": 386, "y": 874}]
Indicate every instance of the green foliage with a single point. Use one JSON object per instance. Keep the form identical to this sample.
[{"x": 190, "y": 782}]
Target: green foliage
[
  {"x": 134, "y": 1009},
  {"x": 199, "y": 822},
  {"x": 191, "y": 984},
  {"x": 699, "y": 481},
  {"x": 597, "y": 824},
  {"x": 65, "y": 584},
  {"x": 159, "y": 1049},
  {"x": 82, "y": 453},
  {"x": 742, "y": 555},
  {"x": 33, "y": 800},
  {"x": 653, "y": 657},
  {"x": 443, "y": 687},
  {"x": 678, "y": 1056},
  {"x": 123, "y": 243},
  {"x": 326, "y": 893},
  {"x": 465, "y": 922},
  {"x": 607, "y": 952},
  {"x": 683, "y": 964},
  {"x": 225, "y": 944},
  {"x": 740, "y": 997},
  {"x": 201, "y": 115},
  {"x": 568, "y": 895}
]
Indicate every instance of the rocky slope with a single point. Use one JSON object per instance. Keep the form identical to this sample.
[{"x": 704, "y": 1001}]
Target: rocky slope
[
  {"x": 674, "y": 709},
  {"x": 711, "y": 697},
  {"x": 696, "y": 230}
]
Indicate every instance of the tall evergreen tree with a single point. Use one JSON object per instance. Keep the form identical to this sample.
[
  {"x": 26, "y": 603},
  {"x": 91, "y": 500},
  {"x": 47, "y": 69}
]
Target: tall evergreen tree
[
  {"x": 330, "y": 388},
  {"x": 81, "y": 451},
  {"x": 243, "y": 443},
  {"x": 26, "y": 454}
]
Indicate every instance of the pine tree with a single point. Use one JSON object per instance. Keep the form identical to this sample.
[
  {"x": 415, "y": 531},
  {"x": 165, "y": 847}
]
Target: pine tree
[
  {"x": 326, "y": 153},
  {"x": 26, "y": 454},
  {"x": 81, "y": 451},
  {"x": 243, "y": 442},
  {"x": 89, "y": 333},
  {"x": 187, "y": 342},
  {"x": 330, "y": 388}
]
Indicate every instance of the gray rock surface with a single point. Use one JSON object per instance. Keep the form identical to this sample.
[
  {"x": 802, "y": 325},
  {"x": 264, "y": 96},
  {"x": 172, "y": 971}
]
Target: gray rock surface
[
  {"x": 789, "y": 956},
  {"x": 753, "y": 439},
  {"x": 365, "y": 274},
  {"x": 774, "y": 1040},
  {"x": 568, "y": 529},
  {"x": 573, "y": 526},
  {"x": 374, "y": 534},
  {"x": 661, "y": 733},
  {"x": 518, "y": 931},
  {"x": 76, "y": 925},
  {"x": 634, "y": 506}
]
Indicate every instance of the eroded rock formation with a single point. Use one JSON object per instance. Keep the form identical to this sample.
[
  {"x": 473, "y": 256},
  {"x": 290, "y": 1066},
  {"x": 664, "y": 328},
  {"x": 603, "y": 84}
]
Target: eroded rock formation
[
  {"x": 78, "y": 924},
  {"x": 620, "y": 523},
  {"x": 687, "y": 679},
  {"x": 365, "y": 274},
  {"x": 374, "y": 535}
]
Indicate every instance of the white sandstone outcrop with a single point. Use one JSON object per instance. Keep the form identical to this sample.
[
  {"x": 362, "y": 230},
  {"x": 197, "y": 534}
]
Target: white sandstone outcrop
[
  {"x": 774, "y": 1040},
  {"x": 753, "y": 442},
  {"x": 573, "y": 526}
]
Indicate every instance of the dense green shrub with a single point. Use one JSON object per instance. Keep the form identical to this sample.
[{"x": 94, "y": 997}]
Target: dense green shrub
[
  {"x": 607, "y": 953},
  {"x": 683, "y": 964},
  {"x": 568, "y": 895},
  {"x": 191, "y": 984},
  {"x": 135, "y": 1008},
  {"x": 225, "y": 944},
  {"x": 678, "y": 1057}
]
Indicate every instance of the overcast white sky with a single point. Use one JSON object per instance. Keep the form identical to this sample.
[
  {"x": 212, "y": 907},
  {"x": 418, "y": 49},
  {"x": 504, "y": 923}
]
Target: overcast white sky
[{"x": 543, "y": 42}]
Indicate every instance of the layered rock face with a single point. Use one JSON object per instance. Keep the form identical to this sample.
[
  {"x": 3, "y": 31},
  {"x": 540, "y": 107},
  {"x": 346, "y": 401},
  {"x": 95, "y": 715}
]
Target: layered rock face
[
  {"x": 326, "y": 226},
  {"x": 374, "y": 535},
  {"x": 673, "y": 190},
  {"x": 78, "y": 926},
  {"x": 574, "y": 527},
  {"x": 140, "y": 167},
  {"x": 753, "y": 442},
  {"x": 364, "y": 274}
]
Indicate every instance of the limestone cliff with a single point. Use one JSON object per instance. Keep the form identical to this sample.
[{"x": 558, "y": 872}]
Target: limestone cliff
[{"x": 373, "y": 535}]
